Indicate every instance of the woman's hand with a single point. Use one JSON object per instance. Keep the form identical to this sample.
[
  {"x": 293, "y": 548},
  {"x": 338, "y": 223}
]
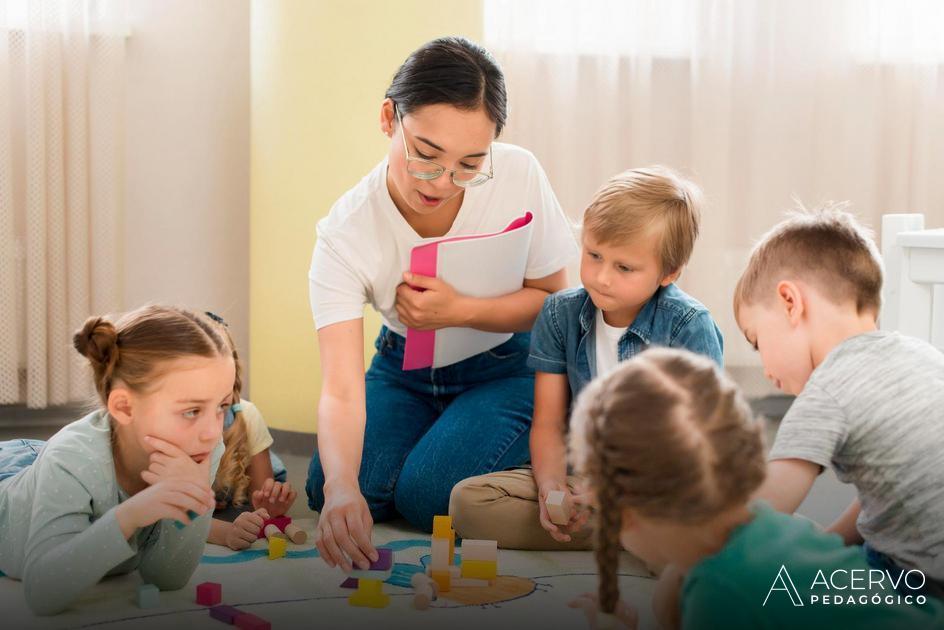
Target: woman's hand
[
  {"x": 275, "y": 497},
  {"x": 344, "y": 527},
  {"x": 625, "y": 616},
  {"x": 436, "y": 306},
  {"x": 245, "y": 529},
  {"x": 167, "y": 498}
]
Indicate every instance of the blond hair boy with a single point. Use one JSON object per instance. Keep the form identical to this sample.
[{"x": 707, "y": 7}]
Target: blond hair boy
[{"x": 638, "y": 233}]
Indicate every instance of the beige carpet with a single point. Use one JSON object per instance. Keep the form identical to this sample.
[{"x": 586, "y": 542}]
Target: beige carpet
[{"x": 300, "y": 591}]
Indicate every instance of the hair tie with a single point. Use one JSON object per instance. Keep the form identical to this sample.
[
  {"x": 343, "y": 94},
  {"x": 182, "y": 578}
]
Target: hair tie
[
  {"x": 236, "y": 407},
  {"x": 216, "y": 318}
]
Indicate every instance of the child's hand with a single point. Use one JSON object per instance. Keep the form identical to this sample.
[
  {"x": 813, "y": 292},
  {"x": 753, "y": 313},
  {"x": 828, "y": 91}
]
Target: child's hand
[
  {"x": 578, "y": 517},
  {"x": 625, "y": 616},
  {"x": 168, "y": 498},
  {"x": 245, "y": 529},
  {"x": 276, "y": 497},
  {"x": 170, "y": 462}
]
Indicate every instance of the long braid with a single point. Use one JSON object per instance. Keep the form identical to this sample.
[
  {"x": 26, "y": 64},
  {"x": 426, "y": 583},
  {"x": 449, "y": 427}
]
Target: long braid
[{"x": 667, "y": 436}]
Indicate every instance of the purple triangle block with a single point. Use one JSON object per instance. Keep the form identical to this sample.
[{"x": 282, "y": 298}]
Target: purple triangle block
[{"x": 349, "y": 583}]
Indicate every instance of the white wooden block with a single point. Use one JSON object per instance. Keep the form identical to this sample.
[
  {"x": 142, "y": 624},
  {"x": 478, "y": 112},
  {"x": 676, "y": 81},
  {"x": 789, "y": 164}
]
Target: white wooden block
[
  {"x": 485, "y": 550},
  {"x": 440, "y": 553},
  {"x": 558, "y": 507}
]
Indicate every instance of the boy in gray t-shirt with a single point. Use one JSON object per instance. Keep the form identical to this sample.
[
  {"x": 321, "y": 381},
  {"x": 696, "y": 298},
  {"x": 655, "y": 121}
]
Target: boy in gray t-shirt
[{"x": 869, "y": 403}]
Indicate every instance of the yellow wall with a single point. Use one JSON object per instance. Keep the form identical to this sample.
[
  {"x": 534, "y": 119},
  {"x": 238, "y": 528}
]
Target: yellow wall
[{"x": 319, "y": 72}]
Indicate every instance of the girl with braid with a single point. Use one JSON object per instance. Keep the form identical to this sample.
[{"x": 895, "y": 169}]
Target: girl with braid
[
  {"x": 669, "y": 449},
  {"x": 249, "y": 473}
]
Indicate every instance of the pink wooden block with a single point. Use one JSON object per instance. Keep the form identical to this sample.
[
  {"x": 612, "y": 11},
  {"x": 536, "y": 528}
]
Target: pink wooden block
[
  {"x": 209, "y": 593},
  {"x": 279, "y": 521}
]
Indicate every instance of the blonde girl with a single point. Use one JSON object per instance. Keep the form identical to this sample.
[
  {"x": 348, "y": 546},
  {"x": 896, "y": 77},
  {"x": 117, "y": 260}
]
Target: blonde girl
[{"x": 248, "y": 471}]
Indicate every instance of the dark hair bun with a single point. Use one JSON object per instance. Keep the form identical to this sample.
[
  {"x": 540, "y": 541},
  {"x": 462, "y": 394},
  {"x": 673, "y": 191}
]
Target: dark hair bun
[{"x": 97, "y": 340}]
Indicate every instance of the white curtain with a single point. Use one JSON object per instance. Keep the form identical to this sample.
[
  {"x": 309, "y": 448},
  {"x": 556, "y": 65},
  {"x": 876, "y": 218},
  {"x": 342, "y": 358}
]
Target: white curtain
[
  {"x": 61, "y": 142},
  {"x": 758, "y": 101}
]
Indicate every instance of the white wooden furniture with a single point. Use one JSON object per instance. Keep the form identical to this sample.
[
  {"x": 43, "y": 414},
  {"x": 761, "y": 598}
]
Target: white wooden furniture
[{"x": 913, "y": 290}]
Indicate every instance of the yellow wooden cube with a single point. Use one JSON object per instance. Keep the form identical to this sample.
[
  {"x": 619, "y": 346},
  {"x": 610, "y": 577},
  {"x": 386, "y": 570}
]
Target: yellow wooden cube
[
  {"x": 369, "y": 594},
  {"x": 479, "y": 569},
  {"x": 442, "y": 526},
  {"x": 277, "y": 548}
]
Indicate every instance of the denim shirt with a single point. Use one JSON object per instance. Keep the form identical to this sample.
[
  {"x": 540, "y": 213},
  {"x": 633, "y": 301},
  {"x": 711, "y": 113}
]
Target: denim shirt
[{"x": 562, "y": 340}]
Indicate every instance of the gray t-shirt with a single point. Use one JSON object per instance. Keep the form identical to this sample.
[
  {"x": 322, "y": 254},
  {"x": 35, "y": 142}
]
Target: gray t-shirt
[
  {"x": 874, "y": 411},
  {"x": 59, "y": 531}
]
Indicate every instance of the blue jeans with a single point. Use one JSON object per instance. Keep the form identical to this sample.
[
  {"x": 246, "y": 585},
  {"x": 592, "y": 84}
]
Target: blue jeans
[
  {"x": 15, "y": 455},
  {"x": 428, "y": 429}
]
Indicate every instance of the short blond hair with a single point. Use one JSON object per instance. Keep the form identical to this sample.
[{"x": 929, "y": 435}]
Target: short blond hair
[
  {"x": 826, "y": 247},
  {"x": 640, "y": 199}
]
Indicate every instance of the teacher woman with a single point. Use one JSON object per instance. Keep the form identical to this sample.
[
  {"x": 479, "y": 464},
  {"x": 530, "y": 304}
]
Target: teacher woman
[{"x": 392, "y": 441}]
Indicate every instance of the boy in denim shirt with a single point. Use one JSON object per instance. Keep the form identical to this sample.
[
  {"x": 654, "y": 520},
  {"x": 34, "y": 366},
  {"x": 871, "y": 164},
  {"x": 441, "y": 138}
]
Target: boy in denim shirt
[{"x": 638, "y": 234}]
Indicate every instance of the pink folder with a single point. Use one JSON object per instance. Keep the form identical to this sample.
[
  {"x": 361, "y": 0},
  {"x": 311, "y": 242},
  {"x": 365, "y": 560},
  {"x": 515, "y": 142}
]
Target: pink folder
[{"x": 499, "y": 265}]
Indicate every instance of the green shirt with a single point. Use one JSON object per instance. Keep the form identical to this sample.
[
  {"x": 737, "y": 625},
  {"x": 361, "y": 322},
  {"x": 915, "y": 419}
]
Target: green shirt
[
  {"x": 58, "y": 531},
  {"x": 775, "y": 562}
]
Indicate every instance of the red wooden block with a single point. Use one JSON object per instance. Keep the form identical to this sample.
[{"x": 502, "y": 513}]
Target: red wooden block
[
  {"x": 279, "y": 521},
  {"x": 248, "y": 621},
  {"x": 209, "y": 593}
]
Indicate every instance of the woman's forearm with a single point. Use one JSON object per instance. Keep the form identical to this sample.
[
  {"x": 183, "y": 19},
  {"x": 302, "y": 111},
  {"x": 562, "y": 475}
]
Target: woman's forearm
[{"x": 340, "y": 440}]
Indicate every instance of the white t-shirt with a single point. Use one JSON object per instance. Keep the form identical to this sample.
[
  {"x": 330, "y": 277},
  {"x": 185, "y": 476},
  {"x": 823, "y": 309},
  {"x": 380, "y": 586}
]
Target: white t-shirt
[
  {"x": 364, "y": 243},
  {"x": 606, "y": 338}
]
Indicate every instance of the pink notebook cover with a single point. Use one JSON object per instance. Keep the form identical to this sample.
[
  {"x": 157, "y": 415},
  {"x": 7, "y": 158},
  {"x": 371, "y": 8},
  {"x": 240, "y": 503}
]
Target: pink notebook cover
[{"x": 421, "y": 344}]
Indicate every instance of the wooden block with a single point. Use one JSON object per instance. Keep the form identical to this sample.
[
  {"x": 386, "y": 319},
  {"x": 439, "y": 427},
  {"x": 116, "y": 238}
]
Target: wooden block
[
  {"x": 379, "y": 570},
  {"x": 277, "y": 548},
  {"x": 209, "y": 593},
  {"x": 442, "y": 579},
  {"x": 440, "y": 554},
  {"x": 247, "y": 621},
  {"x": 422, "y": 599},
  {"x": 384, "y": 560},
  {"x": 279, "y": 521},
  {"x": 484, "y": 550},
  {"x": 471, "y": 582},
  {"x": 423, "y": 595},
  {"x": 149, "y": 596},
  {"x": 559, "y": 507},
  {"x": 479, "y": 570},
  {"x": 272, "y": 531},
  {"x": 226, "y": 614},
  {"x": 442, "y": 525},
  {"x": 369, "y": 594},
  {"x": 296, "y": 534},
  {"x": 453, "y": 570}
]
